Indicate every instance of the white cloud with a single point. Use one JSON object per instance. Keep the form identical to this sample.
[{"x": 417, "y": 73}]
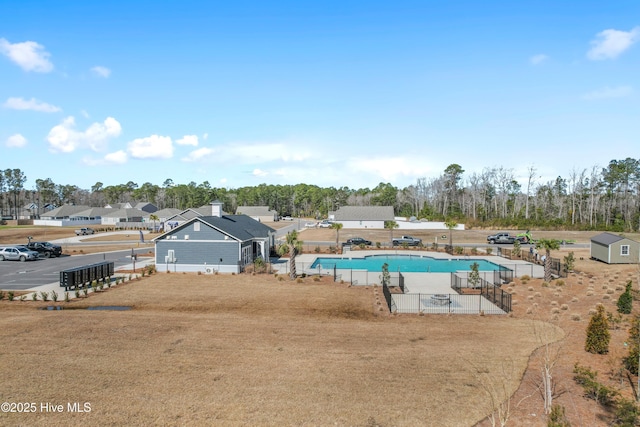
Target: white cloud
[
  {"x": 65, "y": 138},
  {"x": 188, "y": 140},
  {"x": 101, "y": 71},
  {"x": 608, "y": 44},
  {"x": 30, "y": 56},
  {"x": 253, "y": 153},
  {"x": 609, "y": 92},
  {"x": 31, "y": 104},
  {"x": 119, "y": 157},
  {"x": 205, "y": 136},
  {"x": 84, "y": 114},
  {"x": 199, "y": 154},
  {"x": 538, "y": 59},
  {"x": 259, "y": 172},
  {"x": 16, "y": 140},
  {"x": 151, "y": 147}
]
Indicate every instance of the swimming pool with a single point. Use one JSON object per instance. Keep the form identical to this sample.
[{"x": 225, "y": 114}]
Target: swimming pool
[{"x": 405, "y": 264}]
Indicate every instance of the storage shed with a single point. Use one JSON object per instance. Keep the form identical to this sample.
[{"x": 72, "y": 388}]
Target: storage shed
[{"x": 615, "y": 249}]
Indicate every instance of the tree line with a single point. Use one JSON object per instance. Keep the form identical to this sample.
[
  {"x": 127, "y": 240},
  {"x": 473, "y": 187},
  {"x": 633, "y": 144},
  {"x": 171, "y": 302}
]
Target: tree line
[{"x": 598, "y": 198}]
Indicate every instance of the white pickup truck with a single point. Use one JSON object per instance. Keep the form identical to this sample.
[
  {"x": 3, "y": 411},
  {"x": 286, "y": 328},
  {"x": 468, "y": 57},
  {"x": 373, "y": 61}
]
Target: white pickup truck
[
  {"x": 84, "y": 231},
  {"x": 17, "y": 253}
]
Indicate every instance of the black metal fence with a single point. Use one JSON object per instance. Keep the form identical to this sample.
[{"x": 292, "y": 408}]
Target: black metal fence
[{"x": 80, "y": 277}]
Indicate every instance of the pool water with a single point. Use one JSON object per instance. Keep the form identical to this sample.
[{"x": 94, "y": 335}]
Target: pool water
[{"x": 405, "y": 263}]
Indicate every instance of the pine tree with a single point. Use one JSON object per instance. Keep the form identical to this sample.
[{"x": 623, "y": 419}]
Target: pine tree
[
  {"x": 625, "y": 301},
  {"x": 631, "y": 361},
  {"x": 598, "y": 335}
]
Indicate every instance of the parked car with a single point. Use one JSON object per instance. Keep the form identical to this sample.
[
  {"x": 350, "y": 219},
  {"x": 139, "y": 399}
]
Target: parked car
[
  {"x": 45, "y": 249},
  {"x": 84, "y": 231},
  {"x": 358, "y": 241},
  {"x": 505, "y": 238},
  {"x": 17, "y": 253},
  {"x": 406, "y": 240},
  {"x": 325, "y": 223}
]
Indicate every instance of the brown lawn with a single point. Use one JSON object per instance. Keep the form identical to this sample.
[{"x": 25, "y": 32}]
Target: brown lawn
[{"x": 253, "y": 350}]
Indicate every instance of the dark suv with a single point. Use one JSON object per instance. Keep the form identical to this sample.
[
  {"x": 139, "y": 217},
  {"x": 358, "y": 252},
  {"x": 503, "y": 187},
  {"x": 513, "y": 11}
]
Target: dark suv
[
  {"x": 45, "y": 249},
  {"x": 358, "y": 241}
]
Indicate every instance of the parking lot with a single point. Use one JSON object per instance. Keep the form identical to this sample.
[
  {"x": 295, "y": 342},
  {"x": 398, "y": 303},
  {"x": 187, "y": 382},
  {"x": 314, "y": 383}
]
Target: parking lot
[{"x": 20, "y": 276}]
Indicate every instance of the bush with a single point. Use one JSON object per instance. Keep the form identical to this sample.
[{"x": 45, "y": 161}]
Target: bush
[
  {"x": 44, "y": 296},
  {"x": 625, "y": 301},
  {"x": 587, "y": 378},
  {"x": 631, "y": 361},
  {"x": 10, "y": 295},
  {"x": 557, "y": 417},
  {"x": 54, "y": 296},
  {"x": 626, "y": 413},
  {"x": 598, "y": 335}
]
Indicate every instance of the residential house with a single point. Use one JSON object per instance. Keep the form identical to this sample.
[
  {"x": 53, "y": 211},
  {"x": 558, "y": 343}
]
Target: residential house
[
  {"x": 224, "y": 243},
  {"x": 362, "y": 216}
]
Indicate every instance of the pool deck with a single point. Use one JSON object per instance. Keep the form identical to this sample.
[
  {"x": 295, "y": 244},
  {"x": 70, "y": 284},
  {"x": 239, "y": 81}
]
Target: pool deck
[{"x": 304, "y": 261}]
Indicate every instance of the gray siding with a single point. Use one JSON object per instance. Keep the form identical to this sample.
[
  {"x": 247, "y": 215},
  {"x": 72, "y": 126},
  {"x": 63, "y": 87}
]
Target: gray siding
[
  {"x": 206, "y": 232},
  {"x": 599, "y": 251},
  {"x": 190, "y": 252}
]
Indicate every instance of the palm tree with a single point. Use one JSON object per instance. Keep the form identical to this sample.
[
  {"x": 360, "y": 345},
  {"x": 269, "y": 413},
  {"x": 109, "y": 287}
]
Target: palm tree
[
  {"x": 390, "y": 225},
  {"x": 154, "y": 218},
  {"x": 548, "y": 245},
  {"x": 337, "y": 226},
  {"x": 450, "y": 224},
  {"x": 293, "y": 247}
]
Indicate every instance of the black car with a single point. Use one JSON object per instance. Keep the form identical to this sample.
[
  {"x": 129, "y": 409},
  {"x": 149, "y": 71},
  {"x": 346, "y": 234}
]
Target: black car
[
  {"x": 45, "y": 249},
  {"x": 358, "y": 241}
]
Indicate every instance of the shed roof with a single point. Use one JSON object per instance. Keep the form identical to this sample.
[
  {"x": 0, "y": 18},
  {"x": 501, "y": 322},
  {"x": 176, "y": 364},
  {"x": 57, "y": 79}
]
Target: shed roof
[
  {"x": 607, "y": 238},
  {"x": 364, "y": 213}
]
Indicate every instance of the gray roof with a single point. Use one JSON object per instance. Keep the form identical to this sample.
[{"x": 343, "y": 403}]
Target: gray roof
[
  {"x": 166, "y": 212},
  {"x": 255, "y": 211},
  {"x": 607, "y": 238},
  {"x": 241, "y": 227},
  {"x": 125, "y": 213},
  {"x": 64, "y": 211},
  {"x": 92, "y": 213},
  {"x": 364, "y": 213}
]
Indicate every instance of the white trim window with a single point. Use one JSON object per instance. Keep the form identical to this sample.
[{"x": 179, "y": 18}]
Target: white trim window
[
  {"x": 624, "y": 250},
  {"x": 196, "y": 226}
]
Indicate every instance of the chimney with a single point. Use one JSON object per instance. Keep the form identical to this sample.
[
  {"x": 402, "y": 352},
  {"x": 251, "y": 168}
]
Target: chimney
[{"x": 216, "y": 208}]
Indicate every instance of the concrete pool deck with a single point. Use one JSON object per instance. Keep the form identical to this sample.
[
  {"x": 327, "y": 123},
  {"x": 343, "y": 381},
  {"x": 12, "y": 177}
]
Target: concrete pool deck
[{"x": 519, "y": 267}]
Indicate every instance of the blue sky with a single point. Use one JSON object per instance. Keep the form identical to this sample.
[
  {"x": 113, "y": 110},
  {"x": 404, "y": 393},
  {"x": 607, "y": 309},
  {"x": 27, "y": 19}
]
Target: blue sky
[{"x": 331, "y": 93}]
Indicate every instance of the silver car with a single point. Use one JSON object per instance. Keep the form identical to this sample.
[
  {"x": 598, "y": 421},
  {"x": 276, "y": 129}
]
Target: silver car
[{"x": 17, "y": 253}]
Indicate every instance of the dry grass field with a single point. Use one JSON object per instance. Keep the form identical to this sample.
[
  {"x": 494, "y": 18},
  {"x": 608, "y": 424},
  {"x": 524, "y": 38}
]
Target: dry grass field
[{"x": 254, "y": 350}]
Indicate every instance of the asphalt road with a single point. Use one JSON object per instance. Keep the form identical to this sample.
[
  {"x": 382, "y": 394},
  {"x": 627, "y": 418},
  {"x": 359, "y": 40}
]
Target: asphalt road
[{"x": 16, "y": 275}]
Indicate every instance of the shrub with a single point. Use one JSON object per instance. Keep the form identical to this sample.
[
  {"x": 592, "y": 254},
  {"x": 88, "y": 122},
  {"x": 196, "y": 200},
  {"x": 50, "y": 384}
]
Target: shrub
[
  {"x": 77, "y": 293},
  {"x": 378, "y": 245},
  {"x": 85, "y": 291},
  {"x": 626, "y": 413},
  {"x": 525, "y": 277},
  {"x": 631, "y": 361},
  {"x": 66, "y": 297},
  {"x": 557, "y": 417},
  {"x": 54, "y": 296},
  {"x": 489, "y": 251},
  {"x": 569, "y": 262},
  {"x": 317, "y": 249},
  {"x": 44, "y": 296},
  {"x": 34, "y": 296},
  {"x": 626, "y": 300},
  {"x": 1, "y": 295},
  {"x": 560, "y": 282},
  {"x": 10, "y": 295},
  {"x": 458, "y": 250},
  {"x": 598, "y": 335},
  {"x": 587, "y": 378}
]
